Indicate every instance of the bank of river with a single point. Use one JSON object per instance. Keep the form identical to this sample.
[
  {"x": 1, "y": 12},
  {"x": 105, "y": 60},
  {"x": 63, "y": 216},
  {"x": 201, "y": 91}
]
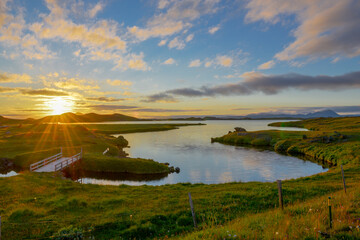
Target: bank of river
[{"x": 201, "y": 161}]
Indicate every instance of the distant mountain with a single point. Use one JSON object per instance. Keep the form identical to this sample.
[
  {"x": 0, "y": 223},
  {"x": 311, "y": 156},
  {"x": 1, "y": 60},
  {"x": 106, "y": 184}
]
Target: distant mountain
[
  {"x": 318, "y": 114},
  {"x": 93, "y": 117},
  {"x": 266, "y": 115},
  {"x": 4, "y": 120},
  {"x": 89, "y": 117},
  {"x": 324, "y": 113}
]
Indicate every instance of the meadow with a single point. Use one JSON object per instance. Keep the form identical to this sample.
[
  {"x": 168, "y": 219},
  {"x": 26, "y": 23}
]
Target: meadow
[{"x": 44, "y": 206}]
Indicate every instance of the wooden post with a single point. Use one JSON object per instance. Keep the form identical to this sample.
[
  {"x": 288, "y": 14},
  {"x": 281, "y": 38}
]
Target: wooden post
[
  {"x": 343, "y": 177},
  {"x": 330, "y": 215},
  {"x": 192, "y": 210},
  {"x": 281, "y": 203}
]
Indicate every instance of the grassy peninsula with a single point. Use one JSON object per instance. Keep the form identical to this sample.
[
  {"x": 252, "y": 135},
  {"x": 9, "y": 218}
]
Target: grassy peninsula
[
  {"x": 25, "y": 144},
  {"x": 330, "y": 140}
]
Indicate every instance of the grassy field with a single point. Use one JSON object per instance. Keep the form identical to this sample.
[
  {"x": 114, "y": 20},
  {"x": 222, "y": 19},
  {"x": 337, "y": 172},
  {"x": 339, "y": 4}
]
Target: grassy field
[
  {"x": 43, "y": 206},
  {"x": 40, "y": 205},
  {"x": 28, "y": 143}
]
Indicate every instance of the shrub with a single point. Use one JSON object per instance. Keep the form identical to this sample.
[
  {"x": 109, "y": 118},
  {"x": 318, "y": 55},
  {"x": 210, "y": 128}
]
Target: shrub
[
  {"x": 261, "y": 142},
  {"x": 282, "y": 146}
]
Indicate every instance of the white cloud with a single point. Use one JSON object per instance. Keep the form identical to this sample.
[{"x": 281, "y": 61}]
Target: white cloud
[
  {"x": 15, "y": 78},
  {"x": 77, "y": 53},
  {"x": 118, "y": 82},
  {"x": 176, "y": 43},
  {"x": 178, "y": 16},
  {"x": 96, "y": 9},
  {"x": 214, "y": 29},
  {"x": 195, "y": 63},
  {"x": 327, "y": 28},
  {"x": 225, "y": 61},
  {"x": 162, "y": 42},
  {"x": 169, "y": 61},
  {"x": 189, "y": 38},
  {"x": 163, "y": 3},
  {"x": 267, "y": 65}
]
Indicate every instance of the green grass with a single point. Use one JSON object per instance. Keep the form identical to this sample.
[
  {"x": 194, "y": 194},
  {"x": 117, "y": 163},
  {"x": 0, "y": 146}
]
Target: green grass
[
  {"x": 42, "y": 205},
  {"x": 134, "y": 128},
  {"x": 28, "y": 143},
  {"x": 333, "y": 141},
  {"x": 28, "y": 200},
  {"x": 304, "y": 220}
]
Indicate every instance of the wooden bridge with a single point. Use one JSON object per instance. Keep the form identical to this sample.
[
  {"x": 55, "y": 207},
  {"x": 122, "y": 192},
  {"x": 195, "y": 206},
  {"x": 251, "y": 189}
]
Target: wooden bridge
[{"x": 55, "y": 163}]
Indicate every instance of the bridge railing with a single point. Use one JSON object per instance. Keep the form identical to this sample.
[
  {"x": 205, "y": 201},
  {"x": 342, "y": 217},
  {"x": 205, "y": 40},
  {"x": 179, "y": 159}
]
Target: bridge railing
[
  {"x": 68, "y": 161},
  {"x": 45, "y": 161}
]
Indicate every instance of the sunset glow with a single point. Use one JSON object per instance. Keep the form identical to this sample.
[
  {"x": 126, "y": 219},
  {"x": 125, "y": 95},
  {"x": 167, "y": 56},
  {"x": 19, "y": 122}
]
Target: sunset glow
[
  {"x": 172, "y": 58},
  {"x": 59, "y": 105}
]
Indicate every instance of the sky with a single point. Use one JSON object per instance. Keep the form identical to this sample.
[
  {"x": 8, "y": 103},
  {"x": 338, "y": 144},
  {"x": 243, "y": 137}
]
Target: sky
[{"x": 165, "y": 58}]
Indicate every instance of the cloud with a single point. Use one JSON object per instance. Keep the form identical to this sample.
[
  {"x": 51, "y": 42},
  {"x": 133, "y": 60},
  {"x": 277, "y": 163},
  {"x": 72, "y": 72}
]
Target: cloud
[
  {"x": 12, "y": 28},
  {"x": 162, "y": 42},
  {"x": 162, "y": 110},
  {"x": 136, "y": 62},
  {"x": 7, "y": 89},
  {"x": 225, "y": 61},
  {"x": 208, "y": 64},
  {"x": 189, "y": 38},
  {"x": 105, "y": 99},
  {"x": 126, "y": 108},
  {"x": 169, "y": 61},
  {"x": 62, "y": 81},
  {"x": 15, "y": 78},
  {"x": 96, "y": 9},
  {"x": 175, "y": 17},
  {"x": 214, "y": 29},
  {"x": 118, "y": 83},
  {"x": 327, "y": 28},
  {"x": 100, "y": 39},
  {"x": 268, "y": 84},
  {"x": 176, "y": 43},
  {"x": 43, "y": 92},
  {"x": 163, "y": 3},
  {"x": 195, "y": 63},
  {"x": 56, "y": 25},
  {"x": 267, "y": 65},
  {"x": 160, "y": 97},
  {"x": 111, "y": 107}
]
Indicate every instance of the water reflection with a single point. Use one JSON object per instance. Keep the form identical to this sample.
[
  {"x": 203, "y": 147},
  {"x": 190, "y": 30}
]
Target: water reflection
[
  {"x": 76, "y": 173},
  {"x": 8, "y": 174},
  {"x": 201, "y": 161}
]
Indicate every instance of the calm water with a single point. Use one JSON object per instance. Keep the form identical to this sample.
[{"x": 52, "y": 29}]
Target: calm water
[{"x": 201, "y": 161}]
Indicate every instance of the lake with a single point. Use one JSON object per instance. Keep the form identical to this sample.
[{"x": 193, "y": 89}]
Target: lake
[{"x": 201, "y": 161}]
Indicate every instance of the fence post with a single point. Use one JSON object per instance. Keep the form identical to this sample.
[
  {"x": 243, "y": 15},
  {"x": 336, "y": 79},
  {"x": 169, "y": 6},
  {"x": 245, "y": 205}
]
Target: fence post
[
  {"x": 281, "y": 203},
  {"x": 330, "y": 215},
  {"x": 343, "y": 177},
  {"x": 192, "y": 210}
]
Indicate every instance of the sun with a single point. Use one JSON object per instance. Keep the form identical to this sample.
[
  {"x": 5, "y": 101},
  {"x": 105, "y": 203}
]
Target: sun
[{"x": 59, "y": 105}]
